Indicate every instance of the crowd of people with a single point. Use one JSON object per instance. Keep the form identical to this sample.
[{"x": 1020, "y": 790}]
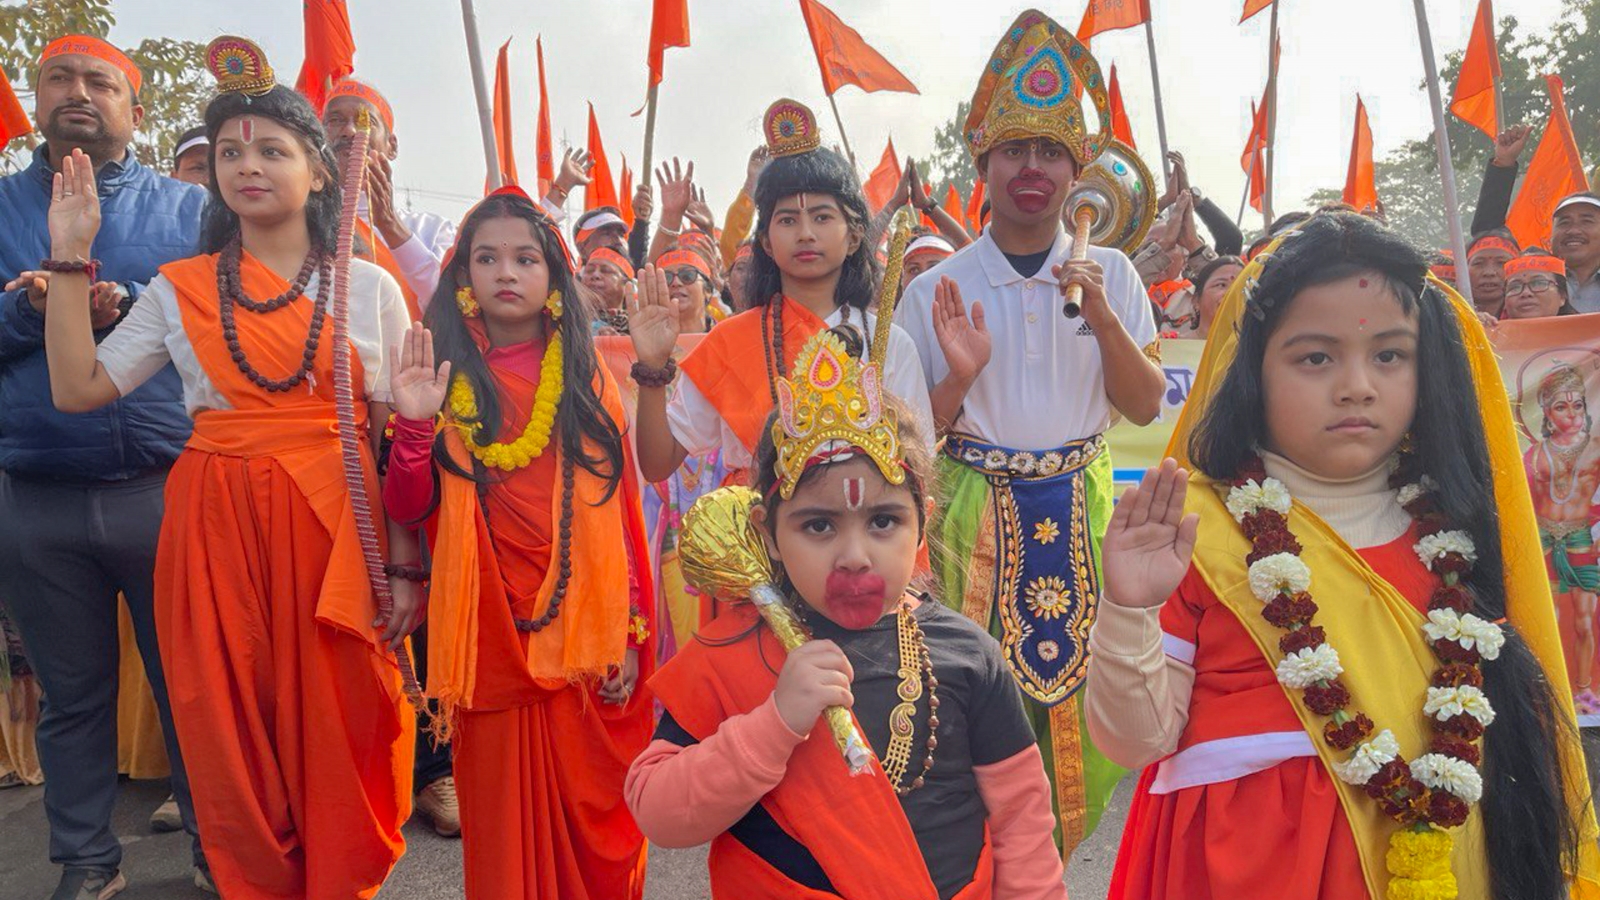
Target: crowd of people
[{"x": 394, "y": 538}]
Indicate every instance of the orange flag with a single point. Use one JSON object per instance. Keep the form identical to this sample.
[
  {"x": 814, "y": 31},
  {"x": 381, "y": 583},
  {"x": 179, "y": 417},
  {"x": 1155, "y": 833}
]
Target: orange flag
[
  {"x": 1554, "y": 172},
  {"x": 1253, "y": 160},
  {"x": 14, "y": 122},
  {"x": 845, "y": 58},
  {"x": 547, "y": 156},
  {"x": 952, "y": 203},
  {"x": 1110, "y": 15},
  {"x": 669, "y": 27},
  {"x": 1251, "y": 7},
  {"x": 330, "y": 50},
  {"x": 883, "y": 180},
  {"x": 602, "y": 189},
  {"x": 502, "y": 118},
  {"x": 1121, "y": 128},
  {"x": 1361, "y": 183},
  {"x": 1474, "y": 100},
  {"x": 625, "y": 194},
  {"x": 975, "y": 209}
]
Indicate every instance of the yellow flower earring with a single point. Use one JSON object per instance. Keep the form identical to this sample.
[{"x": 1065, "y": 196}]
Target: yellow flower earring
[
  {"x": 467, "y": 301},
  {"x": 554, "y": 305}
]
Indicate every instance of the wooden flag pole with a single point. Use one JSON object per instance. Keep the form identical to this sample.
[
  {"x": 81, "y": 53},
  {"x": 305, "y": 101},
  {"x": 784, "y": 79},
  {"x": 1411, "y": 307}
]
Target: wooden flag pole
[
  {"x": 1272, "y": 118},
  {"x": 1249, "y": 176},
  {"x": 480, "y": 88},
  {"x": 1441, "y": 143},
  {"x": 1161, "y": 114},
  {"x": 1499, "y": 95},
  {"x": 842, "y": 136},
  {"x": 649, "y": 136}
]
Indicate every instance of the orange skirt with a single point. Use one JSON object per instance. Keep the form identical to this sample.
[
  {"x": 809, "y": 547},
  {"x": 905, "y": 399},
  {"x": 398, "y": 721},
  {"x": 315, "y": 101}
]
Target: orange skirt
[
  {"x": 1278, "y": 834},
  {"x": 298, "y": 755},
  {"x": 540, "y": 787}
]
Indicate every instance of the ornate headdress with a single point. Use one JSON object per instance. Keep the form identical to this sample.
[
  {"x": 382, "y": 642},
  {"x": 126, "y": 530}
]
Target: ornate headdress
[
  {"x": 791, "y": 129},
  {"x": 1563, "y": 378},
  {"x": 833, "y": 410},
  {"x": 1027, "y": 90},
  {"x": 239, "y": 65}
]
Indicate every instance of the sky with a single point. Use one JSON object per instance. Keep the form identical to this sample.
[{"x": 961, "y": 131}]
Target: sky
[{"x": 746, "y": 53}]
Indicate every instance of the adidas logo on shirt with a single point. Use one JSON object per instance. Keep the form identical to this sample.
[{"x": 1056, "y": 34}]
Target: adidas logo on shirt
[{"x": 1085, "y": 331}]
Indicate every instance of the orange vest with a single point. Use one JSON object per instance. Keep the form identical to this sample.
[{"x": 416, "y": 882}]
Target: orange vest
[
  {"x": 729, "y": 366},
  {"x": 854, "y": 826},
  {"x": 297, "y": 428}
]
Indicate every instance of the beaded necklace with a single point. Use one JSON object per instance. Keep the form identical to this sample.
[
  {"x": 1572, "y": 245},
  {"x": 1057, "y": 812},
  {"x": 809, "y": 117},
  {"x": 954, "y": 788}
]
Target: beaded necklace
[{"x": 230, "y": 293}]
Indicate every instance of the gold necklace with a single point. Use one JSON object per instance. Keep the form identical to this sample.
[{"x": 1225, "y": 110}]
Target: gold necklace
[{"x": 915, "y": 666}]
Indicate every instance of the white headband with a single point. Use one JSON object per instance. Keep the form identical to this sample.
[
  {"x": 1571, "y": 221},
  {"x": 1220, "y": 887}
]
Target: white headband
[
  {"x": 930, "y": 242},
  {"x": 190, "y": 144},
  {"x": 1575, "y": 200},
  {"x": 601, "y": 220}
]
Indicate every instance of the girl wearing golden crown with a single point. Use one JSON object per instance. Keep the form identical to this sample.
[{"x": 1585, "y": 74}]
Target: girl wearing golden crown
[
  {"x": 285, "y": 691},
  {"x": 536, "y": 631},
  {"x": 960, "y": 806},
  {"x": 1334, "y": 645},
  {"x": 812, "y": 269}
]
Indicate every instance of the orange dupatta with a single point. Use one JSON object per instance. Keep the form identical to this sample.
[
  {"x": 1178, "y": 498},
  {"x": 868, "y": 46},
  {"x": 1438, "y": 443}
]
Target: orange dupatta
[{"x": 729, "y": 366}]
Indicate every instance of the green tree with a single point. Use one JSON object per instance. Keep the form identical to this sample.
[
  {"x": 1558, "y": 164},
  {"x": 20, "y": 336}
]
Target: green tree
[
  {"x": 176, "y": 85},
  {"x": 950, "y": 164}
]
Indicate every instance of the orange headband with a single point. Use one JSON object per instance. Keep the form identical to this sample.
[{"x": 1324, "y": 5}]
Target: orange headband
[
  {"x": 1493, "y": 242},
  {"x": 360, "y": 90},
  {"x": 84, "y": 45},
  {"x": 1550, "y": 264},
  {"x": 612, "y": 257},
  {"x": 745, "y": 251},
  {"x": 674, "y": 258}
]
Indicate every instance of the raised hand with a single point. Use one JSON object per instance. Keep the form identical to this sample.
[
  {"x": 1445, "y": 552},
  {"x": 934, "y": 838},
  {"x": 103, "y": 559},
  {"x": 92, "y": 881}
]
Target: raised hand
[
  {"x": 700, "y": 213},
  {"x": 1149, "y": 541},
  {"x": 644, "y": 204},
  {"x": 74, "y": 217},
  {"x": 1508, "y": 144},
  {"x": 418, "y": 389},
  {"x": 575, "y": 164},
  {"x": 759, "y": 157},
  {"x": 380, "y": 200},
  {"x": 966, "y": 343},
  {"x": 654, "y": 326},
  {"x": 677, "y": 189}
]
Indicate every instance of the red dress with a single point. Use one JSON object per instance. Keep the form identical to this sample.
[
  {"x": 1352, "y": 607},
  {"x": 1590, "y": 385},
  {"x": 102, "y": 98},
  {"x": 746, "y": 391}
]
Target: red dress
[{"x": 1277, "y": 833}]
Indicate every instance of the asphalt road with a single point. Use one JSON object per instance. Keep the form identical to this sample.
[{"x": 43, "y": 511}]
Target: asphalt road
[{"x": 157, "y": 864}]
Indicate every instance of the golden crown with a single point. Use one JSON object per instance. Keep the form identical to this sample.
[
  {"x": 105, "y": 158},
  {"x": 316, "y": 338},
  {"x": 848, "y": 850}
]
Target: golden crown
[
  {"x": 1027, "y": 91},
  {"x": 791, "y": 128},
  {"x": 240, "y": 65},
  {"x": 833, "y": 405}
]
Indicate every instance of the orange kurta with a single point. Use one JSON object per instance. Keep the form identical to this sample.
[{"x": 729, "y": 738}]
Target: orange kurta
[
  {"x": 539, "y": 759},
  {"x": 1279, "y": 833},
  {"x": 288, "y": 710}
]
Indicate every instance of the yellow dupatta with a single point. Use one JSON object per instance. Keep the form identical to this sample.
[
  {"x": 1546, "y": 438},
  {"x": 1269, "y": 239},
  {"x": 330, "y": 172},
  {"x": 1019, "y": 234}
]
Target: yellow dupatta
[{"x": 1386, "y": 659}]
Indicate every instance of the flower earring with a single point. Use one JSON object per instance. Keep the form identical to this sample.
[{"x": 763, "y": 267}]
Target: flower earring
[
  {"x": 554, "y": 305},
  {"x": 467, "y": 301}
]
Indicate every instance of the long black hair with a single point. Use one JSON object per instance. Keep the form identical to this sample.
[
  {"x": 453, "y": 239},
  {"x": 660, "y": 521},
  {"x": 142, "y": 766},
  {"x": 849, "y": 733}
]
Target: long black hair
[
  {"x": 290, "y": 108},
  {"x": 1531, "y": 832},
  {"x": 586, "y": 430},
  {"x": 820, "y": 171}
]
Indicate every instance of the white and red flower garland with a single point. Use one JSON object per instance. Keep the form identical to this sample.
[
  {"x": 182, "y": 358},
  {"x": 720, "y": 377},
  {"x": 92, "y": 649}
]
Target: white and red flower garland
[{"x": 1435, "y": 790}]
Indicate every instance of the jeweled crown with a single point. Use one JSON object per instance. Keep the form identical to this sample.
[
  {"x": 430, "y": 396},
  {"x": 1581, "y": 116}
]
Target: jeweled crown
[
  {"x": 239, "y": 65},
  {"x": 791, "y": 128},
  {"x": 832, "y": 407}
]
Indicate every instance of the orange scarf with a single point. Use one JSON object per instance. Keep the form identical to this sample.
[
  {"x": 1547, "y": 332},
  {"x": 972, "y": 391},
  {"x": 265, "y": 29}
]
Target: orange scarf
[{"x": 729, "y": 366}]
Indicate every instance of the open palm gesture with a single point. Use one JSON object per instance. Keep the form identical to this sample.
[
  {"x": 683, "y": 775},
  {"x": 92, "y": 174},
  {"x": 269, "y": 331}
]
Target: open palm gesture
[
  {"x": 1150, "y": 541},
  {"x": 74, "y": 217},
  {"x": 966, "y": 342},
  {"x": 654, "y": 325},
  {"x": 418, "y": 388}
]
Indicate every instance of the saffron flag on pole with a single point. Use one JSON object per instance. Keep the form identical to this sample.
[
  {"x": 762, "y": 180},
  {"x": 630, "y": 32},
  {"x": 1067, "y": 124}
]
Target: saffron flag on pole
[
  {"x": 1476, "y": 100},
  {"x": 1361, "y": 182},
  {"x": 883, "y": 180},
  {"x": 602, "y": 190},
  {"x": 330, "y": 50},
  {"x": 502, "y": 118},
  {"x": 1555, "y": 171},
  {"x": 1253, "y": 159},
  {"x": 952, "y": 202},
  {"x": 625, "y": 193},
  {"x": 14, "y": 120},
  {"x": 1110, "y": 15},
  {"x": 845, "y": 58},
  {"x": 547, "y": 158},
  {"x": 1121, "y": 128},
  {"x": 1251, "y": 7},
  {"x": 669, "y": 27},
  {"x": 975, "y": 209}
]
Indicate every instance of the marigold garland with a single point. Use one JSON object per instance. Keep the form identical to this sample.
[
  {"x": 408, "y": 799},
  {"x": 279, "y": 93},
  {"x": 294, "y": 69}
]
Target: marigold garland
[
  {"x": 1435, "y": 791},
  {"x": 535, "y": 437}
]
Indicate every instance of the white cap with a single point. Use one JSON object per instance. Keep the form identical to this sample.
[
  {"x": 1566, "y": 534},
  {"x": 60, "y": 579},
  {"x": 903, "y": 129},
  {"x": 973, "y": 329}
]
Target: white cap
[
  {"x": 930, "y": 242},
  {"x": 198, "y": 140},
  {"x": 601, "y": 220},
  {"x": 1576, "y": 200}
]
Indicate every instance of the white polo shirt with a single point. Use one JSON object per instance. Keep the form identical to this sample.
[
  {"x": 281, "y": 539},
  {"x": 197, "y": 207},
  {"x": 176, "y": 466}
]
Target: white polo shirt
[{"x": 1044, "y": 385}]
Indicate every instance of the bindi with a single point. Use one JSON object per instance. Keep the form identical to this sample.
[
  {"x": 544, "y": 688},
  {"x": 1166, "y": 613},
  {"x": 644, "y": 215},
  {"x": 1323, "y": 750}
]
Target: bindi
[{"x": 855, "y": 493}]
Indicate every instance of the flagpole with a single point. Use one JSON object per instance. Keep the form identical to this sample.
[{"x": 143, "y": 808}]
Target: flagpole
[
  {"x": 1161, "y": 114},
  {"x": 1249, "y": 177},
  {"x": 1441, "y": 143},
  {"x": 649, "y": 132},
  {"x": 480, "y": 88},
  {"x": 1499, "y": 96},
  {"x": 1272, "y": 118},
  {"x": 842, "y": 136}
]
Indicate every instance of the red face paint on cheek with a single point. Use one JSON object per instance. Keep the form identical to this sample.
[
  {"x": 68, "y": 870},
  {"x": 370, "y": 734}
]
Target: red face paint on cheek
[{"x": 855, "y": 601}]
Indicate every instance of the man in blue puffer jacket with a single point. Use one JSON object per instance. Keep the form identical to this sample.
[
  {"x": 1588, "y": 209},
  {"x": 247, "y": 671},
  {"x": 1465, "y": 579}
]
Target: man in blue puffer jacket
[{"x": 81, "y": 495}]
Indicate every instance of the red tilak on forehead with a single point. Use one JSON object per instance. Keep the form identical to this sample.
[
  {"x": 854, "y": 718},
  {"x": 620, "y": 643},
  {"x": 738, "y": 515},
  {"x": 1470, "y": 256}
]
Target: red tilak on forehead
[
  {"x": 855, "y": 493},
  {"x": 247, "y": 130}
]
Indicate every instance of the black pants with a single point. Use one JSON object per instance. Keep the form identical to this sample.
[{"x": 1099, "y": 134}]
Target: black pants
[
  {"x": 432, "y": 763},
  {"x": 66, "y": 550}
]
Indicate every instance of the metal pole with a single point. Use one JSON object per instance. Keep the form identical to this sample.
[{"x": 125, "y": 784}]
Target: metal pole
[
  {"x": 480, "y": 88},
  {"x": 842, "y": 136},
  {"x": 1272, "y": 117},
  {"x": 1441, "y": 144},
  {"x": 1161, "y": 113}
]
